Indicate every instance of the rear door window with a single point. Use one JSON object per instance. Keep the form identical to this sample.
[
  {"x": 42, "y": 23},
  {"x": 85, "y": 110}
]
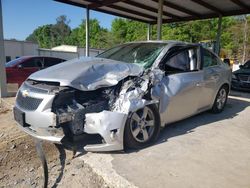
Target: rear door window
[
  {"x": 51, "y": 61},
  {"x": 33, "y": 63},
  {"x": 209, "y": 59}
]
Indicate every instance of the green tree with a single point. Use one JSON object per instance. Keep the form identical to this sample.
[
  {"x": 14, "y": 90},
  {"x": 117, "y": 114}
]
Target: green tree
[
  {"x": 99, "y": 37},
  {"x": 48, "y": 36},
  {"x": 124, "y": 30},
  {"x": 60, "y": 31},
  {"x": 42, "y": 35}
]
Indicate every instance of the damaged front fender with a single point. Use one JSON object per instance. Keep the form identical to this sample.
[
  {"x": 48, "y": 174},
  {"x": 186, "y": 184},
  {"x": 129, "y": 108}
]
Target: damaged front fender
[{"x": 110, "y": 125}]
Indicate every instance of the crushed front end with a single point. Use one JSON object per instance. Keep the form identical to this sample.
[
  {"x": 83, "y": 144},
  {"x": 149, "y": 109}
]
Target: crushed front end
[{"x": 47, "y": 111}]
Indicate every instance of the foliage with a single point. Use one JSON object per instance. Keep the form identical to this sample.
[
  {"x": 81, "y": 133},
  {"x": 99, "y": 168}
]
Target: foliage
[
  {"x": 124, "y": 30},
  {"x": 48, "y": 36}
]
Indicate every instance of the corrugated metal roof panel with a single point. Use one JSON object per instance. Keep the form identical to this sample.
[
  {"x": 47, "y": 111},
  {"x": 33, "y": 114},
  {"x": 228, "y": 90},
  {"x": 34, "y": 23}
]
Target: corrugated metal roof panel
[{"x": 173, "y": 10}]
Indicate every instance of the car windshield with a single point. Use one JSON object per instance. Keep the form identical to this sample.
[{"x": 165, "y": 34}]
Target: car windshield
[
  {"x": 14, "y": 62},
  {"x": 247, "y": 65},
  {"x": 143, "y": 54}
]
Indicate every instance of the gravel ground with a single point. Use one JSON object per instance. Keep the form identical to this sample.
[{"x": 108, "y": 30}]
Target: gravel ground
[{"x": 21, "y": 167}]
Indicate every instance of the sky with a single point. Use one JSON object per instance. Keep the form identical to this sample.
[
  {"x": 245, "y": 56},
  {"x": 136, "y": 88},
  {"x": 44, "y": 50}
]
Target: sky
[{"x": 22, "y": 17}]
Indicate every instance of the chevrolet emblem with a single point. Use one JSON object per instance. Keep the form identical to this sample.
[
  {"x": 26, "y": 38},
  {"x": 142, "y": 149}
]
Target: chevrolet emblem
[{"x": 25, "y": 93}]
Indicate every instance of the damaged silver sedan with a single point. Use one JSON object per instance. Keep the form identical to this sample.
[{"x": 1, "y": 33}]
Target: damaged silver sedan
[{"x": 124, "y": 95}]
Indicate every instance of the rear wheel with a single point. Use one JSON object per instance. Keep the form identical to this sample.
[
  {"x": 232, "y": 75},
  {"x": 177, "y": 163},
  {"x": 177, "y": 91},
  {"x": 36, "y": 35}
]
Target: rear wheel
[
  {"x": 142, "y": 128},
  {"x": 220, "y": 100}
]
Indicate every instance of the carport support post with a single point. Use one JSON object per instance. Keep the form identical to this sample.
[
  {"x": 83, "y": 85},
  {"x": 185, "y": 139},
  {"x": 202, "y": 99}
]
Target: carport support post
[
  {"x": 217, "y": 46},
  {"x": 3, "y": 87},
  {"x": 149, "y": 32},
  {"x": 159, "y": 19},
  {"x": 87, "y": 32}
]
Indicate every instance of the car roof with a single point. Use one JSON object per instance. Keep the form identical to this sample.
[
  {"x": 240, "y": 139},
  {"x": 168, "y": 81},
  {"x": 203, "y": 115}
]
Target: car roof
[
  {"x": 32, "y": 56},
  {"x": 160, "y": 42}
]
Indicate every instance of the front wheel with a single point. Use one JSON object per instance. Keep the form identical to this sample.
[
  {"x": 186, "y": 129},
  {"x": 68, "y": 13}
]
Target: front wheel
[
  {"x": 142, "y": 127},
  {"x": 220, "y": 100}
]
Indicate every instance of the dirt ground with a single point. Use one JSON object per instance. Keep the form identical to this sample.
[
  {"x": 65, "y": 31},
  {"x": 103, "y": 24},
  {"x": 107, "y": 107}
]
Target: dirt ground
[{"x": 21, "y": 167}]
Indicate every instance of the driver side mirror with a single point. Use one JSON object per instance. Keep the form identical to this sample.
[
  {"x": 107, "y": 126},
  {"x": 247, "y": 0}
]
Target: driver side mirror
[{"x": 20, "y": 66}]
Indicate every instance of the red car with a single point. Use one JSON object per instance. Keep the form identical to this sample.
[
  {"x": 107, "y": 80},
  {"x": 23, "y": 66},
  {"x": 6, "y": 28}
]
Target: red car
[{"x": 18, "y": 70}]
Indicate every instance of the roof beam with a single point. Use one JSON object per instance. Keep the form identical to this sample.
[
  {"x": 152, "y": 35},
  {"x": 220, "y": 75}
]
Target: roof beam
[
  {"x": 98, "y": 4},
  {"x": 104, "y": 11},
  {"x": 151, "y": 9},
  {"x": 124, "y": 16},
  {"x": 179, "y": 8},
  {"x": 71, "y": 3},
  {"x": 208, "y": 16},
  {"x": 124, "y": 10},
  {"x": 208, "y": 6},
  {"x": 132, "y": 12},
  {"x": 241, "y": 4}
]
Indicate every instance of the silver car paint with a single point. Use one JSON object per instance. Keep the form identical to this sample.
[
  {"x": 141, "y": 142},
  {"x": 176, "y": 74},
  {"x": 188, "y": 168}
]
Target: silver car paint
[
  {"x": 103, "y": 123},
  {"x": 88, "y": 73},
  {"x": 178, "y": 95}
]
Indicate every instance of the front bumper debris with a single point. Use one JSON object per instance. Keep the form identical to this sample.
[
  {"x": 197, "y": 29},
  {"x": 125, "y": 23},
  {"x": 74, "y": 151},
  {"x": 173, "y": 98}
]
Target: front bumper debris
[{"x": 109, "y": 125}]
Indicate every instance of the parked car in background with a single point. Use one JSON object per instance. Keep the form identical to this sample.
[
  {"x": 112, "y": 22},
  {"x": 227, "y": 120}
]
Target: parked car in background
[
  {"x": 241, "y": 77},
  {"x": 123, "y": 95},
  {"x": 18, "y": 70}
]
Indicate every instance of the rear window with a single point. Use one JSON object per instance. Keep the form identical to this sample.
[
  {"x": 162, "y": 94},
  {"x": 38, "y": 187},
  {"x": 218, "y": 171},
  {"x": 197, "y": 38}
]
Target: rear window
[{"x": 33, "y": 62}]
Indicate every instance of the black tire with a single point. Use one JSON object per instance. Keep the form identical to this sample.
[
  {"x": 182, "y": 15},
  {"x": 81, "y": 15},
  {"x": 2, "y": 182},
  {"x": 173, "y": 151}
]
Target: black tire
[
  {"x": 218, "y": 107},
  {"x": 134, "y": 142}
]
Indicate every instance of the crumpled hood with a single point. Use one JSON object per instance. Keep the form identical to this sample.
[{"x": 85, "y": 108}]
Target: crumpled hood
[{"x": 88, "y": 73}]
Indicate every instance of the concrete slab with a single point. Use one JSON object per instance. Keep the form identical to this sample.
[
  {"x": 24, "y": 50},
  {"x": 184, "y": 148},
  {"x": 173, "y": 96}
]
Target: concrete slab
[{"x": 208, "y": 150}]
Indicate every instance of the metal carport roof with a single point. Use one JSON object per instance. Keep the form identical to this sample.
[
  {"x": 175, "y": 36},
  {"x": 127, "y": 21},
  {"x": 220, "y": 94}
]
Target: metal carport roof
[{"x": 173, "y": 10}]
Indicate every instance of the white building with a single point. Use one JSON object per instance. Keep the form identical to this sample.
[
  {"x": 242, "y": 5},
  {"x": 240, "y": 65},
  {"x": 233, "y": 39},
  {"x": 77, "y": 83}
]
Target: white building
[
  {"x": 15, "y": 49},
  {"x": 67, "y": 52}
]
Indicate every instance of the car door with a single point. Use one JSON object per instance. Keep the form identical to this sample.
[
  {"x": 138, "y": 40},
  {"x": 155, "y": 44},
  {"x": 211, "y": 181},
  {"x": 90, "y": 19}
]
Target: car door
[
  {"x": 182, "y": 84},
  {"x": 26, "y": 68},
  {"x": 212, "y": 71}
]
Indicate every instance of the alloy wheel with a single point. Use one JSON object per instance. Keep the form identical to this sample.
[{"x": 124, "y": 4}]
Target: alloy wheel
[
  {"x": 221, "y": 99},
  {"x": 142, "y": 124}
]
